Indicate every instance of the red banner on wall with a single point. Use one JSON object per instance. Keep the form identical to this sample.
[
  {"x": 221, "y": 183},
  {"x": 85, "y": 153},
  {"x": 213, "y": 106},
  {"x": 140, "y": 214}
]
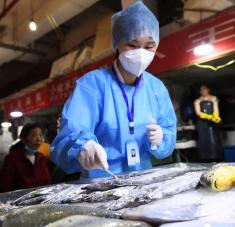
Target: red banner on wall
[
  {"x": 176, "y": 50},
  {"x": 32, "y": 102},
  {"x": 61, "y": 88}
]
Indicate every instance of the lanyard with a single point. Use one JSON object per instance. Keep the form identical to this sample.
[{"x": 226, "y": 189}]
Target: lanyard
[{"x": 130, "y": 111}]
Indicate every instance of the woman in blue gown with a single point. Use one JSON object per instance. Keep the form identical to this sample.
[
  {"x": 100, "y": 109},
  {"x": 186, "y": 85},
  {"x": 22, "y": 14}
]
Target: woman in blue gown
[{"x": 115, "y": 111}]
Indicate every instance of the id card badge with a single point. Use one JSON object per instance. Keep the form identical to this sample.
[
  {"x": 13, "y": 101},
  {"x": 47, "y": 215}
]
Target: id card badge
[{"x": 133, "y": 154}]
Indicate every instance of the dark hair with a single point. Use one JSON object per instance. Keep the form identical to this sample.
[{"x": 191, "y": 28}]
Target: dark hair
[
  {"x": 27, "y": 129},
  {"x": 205, "y": 86}
]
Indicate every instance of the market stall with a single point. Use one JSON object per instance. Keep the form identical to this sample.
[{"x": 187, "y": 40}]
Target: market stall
[{"x": 161, "y": 195}]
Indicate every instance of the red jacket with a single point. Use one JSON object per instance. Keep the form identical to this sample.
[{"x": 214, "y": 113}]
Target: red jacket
[{"x": 18, "y": 172}]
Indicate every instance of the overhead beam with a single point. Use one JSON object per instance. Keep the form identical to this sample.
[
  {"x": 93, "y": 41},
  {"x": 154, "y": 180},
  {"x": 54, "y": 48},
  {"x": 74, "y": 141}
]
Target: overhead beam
[
  {"x": 21, "y": 49},
  {"x": 7, "y": 8}
]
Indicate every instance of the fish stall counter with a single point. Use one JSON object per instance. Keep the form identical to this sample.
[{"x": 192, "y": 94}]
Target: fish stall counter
[{"x": 169, "y": 195}]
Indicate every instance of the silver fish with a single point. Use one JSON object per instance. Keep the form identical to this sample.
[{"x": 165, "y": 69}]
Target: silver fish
[
  {"x": 64, "y": 195},
  {"x": 73, "y": 194},
  {"x": 128, "y": 192},
  {"x": 103, "y": 196},
  {"x": 88, "y": 221},
  {"x": 50, "y": 195},
  {"x": 74, "y": 199},
  {"x": 135, "y": 197},
  {"x": 40, "y": 192},
  {"x": 136, "y": 173},
  {"x": 156, "y": 191},
  {"x": 40, "y": 215},
  {"x": 186, "y": 182},
  {"x": 148, "y": 178},
  {"x": 33, "y": 201}
]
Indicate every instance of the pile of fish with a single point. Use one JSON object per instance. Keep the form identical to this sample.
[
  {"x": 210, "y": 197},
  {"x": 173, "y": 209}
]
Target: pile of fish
[
  {"x": 129, "y": 190},
  {"x": 58, "y": 215},
  {"x": 113, "y": 196}
]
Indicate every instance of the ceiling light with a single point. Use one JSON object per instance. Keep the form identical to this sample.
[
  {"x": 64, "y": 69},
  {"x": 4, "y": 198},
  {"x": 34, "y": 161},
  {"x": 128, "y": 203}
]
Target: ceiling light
[
  {"x": 32, "y": 25},
  {"x": 6, "y": 124},
  {"x": 203, "y": 49},
  {"x": 16, "y": 114}
]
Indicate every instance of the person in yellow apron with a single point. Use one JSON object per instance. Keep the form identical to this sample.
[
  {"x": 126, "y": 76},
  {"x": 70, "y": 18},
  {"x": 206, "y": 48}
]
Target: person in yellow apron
[{"x": 208, "y": 119}]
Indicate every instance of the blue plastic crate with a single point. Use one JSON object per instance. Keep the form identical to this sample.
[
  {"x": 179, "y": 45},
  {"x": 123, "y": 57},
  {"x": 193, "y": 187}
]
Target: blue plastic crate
[{"x": 229, "y": 153}]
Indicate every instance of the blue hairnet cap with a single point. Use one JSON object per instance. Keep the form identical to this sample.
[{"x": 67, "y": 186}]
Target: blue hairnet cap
[{"x": 134, "y": 22}]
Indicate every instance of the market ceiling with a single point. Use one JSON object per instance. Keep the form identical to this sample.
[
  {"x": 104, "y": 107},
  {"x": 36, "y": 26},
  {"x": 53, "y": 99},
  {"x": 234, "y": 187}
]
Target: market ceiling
[{"x": 20, "y": 68}]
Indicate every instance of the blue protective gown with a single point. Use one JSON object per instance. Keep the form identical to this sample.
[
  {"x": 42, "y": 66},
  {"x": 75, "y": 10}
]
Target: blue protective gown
[{"x": 97, "y": 111}]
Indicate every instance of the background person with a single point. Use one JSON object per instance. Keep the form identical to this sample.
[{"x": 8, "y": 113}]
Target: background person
[
  {"x": 25, "y": 167},
  {"x": 209, "y": 142}
]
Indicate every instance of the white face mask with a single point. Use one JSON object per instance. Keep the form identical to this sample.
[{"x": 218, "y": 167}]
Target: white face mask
[{"x": 136, "y": 61}]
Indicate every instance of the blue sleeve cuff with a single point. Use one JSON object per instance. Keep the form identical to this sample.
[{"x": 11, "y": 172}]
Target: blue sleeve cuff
[
  {"x": 79, "y": 140},
  {"x": 65, "y": 150}
]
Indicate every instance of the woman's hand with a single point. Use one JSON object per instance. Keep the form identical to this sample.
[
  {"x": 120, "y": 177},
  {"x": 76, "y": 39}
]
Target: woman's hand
[
  {"x": 93, "y": 156},
  {"x": 155, "y": 134}
]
